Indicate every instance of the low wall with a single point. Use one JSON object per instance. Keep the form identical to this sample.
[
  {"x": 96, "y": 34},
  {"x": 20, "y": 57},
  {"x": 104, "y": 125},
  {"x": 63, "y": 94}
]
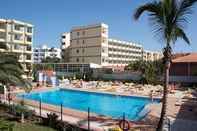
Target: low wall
[
  {"x": 119, "y": 76},
  {"x": 183, "y": 79}
]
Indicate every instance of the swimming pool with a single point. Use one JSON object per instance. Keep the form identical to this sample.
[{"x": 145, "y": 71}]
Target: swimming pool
[{"x": 99, "y": 103}]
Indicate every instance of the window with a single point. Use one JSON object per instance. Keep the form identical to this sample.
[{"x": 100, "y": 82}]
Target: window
[
  {"x": 77, "y": 51},
  {"x": 63, "y": 36},
  {"x": 29, "y": 29},
  {"x": 2, "y": 35},
  {"x": 103, "y": 60},
  {"x": 83, "y": 50},
  {"x": 77, "y": 60},
  {"x": 77, "y": 41},
  {"x": 2, "y": 25},
  {"x": 83, "y": 32},
  {"x": 104, "y": 30},
  {"x": 83, "y": 41},
  {"x": 28, "y": 57},
  {"x": 29, "y": 39},
  {"x": 28, "y": 48},
  {"x": 82, "y": 59},
  {"x": 103, "y": 50},
  {"x": 17, "y": 37},
  {"x": 17, "y": 47},
  {"x": 104, "y": 40},
  {"x": 17, "y": 27},
  {"x": 78, "y": 33}
]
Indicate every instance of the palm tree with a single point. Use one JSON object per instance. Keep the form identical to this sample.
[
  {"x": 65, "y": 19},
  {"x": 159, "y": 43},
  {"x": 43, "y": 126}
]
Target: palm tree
[
  {"x": 168, "y": 18},
  {"x": 11, "y": 71}
]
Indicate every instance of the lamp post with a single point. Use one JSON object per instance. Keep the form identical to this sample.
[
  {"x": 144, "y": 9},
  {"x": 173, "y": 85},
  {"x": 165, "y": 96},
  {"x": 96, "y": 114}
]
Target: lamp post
[
  {"x": 61, "y": 111},
  {"x": 88, "y": 118},
  {"x": 40, "y": 105}
]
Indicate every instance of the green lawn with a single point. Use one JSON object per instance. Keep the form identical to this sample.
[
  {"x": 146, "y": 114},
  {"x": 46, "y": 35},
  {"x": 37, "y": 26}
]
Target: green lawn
[{"x": 30, "y": 127}]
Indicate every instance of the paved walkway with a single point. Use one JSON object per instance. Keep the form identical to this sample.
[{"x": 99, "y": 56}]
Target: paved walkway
[{"x": 183, "y": 125}]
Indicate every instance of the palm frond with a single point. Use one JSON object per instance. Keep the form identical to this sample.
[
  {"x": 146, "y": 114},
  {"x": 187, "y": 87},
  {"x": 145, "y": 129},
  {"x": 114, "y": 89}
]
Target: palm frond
[
  {"x": 11, "y": 71},
  {"x": 168, "y": 18},
  {"x": 179, "y": 33},
  {"x": 185, "y": 9},
  {"x": 152, "y": 8},
  {"x": 12, "y": 68}
]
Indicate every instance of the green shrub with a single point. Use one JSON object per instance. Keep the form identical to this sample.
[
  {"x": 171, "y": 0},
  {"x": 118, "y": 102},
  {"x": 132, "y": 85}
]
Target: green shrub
[
  {"x": 51, "y": 120},
  {"x": 6, "y": 126},
  {"x": 17, "y": 110}
]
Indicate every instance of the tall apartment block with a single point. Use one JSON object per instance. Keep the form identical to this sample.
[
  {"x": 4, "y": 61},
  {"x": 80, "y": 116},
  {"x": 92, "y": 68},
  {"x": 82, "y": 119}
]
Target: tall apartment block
[
  {"x": 18, "y": 36},
  {"x": 91, "y": 44}
]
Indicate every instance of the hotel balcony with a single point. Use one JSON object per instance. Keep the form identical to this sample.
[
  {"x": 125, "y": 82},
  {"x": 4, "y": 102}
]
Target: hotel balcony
[
  {"x": 28, "y": 39},
  {"x": 2, "y": 40},
  {"x": 28, "y": 61},
  {"x": 2, "y": 36},
  {"x": 17, "y": 51},
  {"x": 2, "y": 30},
  {"x": 19, "y": 29},
  {"x": 2, "y": 27},
  {"x": 28, "y": 50},
  {"x": 18, "y": 41}
]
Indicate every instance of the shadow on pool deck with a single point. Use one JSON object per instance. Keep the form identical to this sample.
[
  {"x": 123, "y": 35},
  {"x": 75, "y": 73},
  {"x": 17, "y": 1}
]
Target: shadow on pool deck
[{"x": 186, "y": 118}]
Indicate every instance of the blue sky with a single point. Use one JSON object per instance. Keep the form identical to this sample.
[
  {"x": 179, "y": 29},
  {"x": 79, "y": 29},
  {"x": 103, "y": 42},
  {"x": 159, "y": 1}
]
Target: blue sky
[{"x": 52, "y": 17}]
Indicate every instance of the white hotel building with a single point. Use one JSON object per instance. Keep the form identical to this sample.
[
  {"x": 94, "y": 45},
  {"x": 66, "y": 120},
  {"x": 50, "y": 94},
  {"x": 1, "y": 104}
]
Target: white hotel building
[
  {"x": 18, "y": 36},
  {"x": 122, "y": 52},
  {"x": 91, "y": 44},
  {"x": 43, "y": 52}
]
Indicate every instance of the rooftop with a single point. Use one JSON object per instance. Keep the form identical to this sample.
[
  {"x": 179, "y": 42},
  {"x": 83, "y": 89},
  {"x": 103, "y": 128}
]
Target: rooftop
[
  {"x": 190, "y": 57},
  {"x": 89, "y": 26},
  {"x": 16, "y": 22}
]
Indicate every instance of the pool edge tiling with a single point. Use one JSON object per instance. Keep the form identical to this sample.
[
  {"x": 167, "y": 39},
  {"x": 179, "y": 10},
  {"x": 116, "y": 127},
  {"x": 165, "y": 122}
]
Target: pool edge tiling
[{"x": 106, "y": 104}]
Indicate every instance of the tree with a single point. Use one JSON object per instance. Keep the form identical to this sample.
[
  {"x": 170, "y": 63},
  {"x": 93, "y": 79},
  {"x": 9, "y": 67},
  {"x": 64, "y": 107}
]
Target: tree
[
  {"x": 168, "y": 18},
  {"x": 151, "y": 71},
  {"x": 51, "y": 60},
  {"x": 11, "y": 72}
]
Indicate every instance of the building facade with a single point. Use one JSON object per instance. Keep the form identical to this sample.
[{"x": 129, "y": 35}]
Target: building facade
[
  {"x": 65, "y": 43},
  {"x": 43, "y": 52},
  {"x": 123, "y": 52},
  {"x": 151, "y": 55},
  {"x": 91, "y": 44},
  {"x": 88, "y": 44},
  {"x": 184, "y": 68},
  {"x": 18, "y": 37}
]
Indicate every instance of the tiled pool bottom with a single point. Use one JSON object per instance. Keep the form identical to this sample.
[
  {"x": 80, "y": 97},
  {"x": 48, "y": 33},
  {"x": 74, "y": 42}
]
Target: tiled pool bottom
[{"x": 102, "y": 104}]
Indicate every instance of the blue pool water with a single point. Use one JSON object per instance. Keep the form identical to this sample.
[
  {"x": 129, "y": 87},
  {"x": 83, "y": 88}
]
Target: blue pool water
[{"x": 99, "y": 103}]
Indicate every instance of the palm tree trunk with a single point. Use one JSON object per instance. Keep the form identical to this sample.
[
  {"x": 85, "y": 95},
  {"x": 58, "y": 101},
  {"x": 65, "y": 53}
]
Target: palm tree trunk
[{"x": 165, "y": 93}]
